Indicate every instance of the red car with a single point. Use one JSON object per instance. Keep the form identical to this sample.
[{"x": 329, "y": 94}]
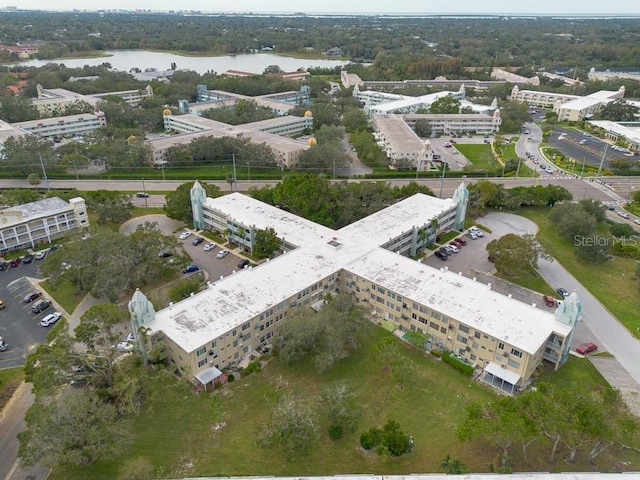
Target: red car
[
  {"x": 460, "y": 241},
  {"x": 586, "y": 348}
]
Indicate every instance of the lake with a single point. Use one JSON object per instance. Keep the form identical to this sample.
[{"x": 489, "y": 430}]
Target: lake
[{"x": 125, "y": 60}]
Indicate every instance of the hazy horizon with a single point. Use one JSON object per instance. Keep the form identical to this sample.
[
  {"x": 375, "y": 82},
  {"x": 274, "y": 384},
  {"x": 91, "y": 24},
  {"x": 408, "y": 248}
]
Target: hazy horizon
[{"x": 574, "y": 8}]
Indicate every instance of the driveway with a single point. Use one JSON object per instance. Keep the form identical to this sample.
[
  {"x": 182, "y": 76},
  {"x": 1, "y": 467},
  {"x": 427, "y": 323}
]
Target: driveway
[
  {"x": 166, "y": 225},
  {"x": 598, "y": 324}
]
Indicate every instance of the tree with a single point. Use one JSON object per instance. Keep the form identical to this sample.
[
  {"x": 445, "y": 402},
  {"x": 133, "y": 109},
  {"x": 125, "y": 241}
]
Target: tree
[
  {"x": 618, "y": 111},
  {"x": 266, "y": 243},
  {"x": 572, "y": 221},
  {"x": 387, "y": 440},
  {"x": 321, "y": 338},
  {"x": 292, "y": 427},
  {"x": 592, "y": 248},
  {"x": 388, "y": 353},
  {"x": 343, "y": 410},
  {"x": 354, "y": 120},
  {"x": 100, "y": 330},
  {"x": 447, "y": 104},
  {"x": 178, "y": 202},
  {"x": 423, "y": 128},
  {"x": 514, "y": 255},
  {"x": 34, "y": 179}
]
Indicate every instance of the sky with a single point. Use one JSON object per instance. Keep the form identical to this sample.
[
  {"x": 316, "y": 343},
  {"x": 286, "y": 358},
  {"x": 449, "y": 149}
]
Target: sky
[{"x": 569, "y": 7}]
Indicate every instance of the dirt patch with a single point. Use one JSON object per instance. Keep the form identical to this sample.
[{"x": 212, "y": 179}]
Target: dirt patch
[{"x": 6, "y": 392}]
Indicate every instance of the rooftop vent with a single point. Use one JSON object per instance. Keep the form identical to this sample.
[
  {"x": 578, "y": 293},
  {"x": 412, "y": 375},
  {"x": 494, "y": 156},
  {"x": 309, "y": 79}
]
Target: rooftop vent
[{"x": 334, "y": 243}]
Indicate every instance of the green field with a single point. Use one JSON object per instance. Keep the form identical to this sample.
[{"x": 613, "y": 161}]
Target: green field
[
  {"x": 480, "y": 156},
  {"x": 175, "y": 430}
]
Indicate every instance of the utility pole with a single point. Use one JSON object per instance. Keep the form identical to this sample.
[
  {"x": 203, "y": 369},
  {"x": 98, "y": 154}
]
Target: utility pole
[
  {"x": 334, "y": 169},
  {"x": 604, "y": 154},
  {"x": 518, "y": 169},
  {"x": 44, "y": 171},
  {"x": 145, "y": 194},
  {"x": 249, "y": 171},
  {"x": 444, "y": 168},
  {"x": 235, "y": 178}
]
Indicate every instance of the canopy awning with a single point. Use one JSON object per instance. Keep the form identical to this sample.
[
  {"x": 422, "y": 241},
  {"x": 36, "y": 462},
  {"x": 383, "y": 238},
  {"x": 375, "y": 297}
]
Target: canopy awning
[
  {"x": 208, "y": 375},
  {"x": 502, "y": 373}
]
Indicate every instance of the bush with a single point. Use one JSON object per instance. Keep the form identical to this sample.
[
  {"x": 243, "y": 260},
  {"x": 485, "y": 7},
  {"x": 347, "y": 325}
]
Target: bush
[
  {"x": 436, "y": 353},
  {"x": 217, "y": 384},
  {"x": 230, "y": 378},
  {"x": 253, "y": 366},
  {"x": 335, "y": 432},
  {"x": 457, "y": 364},
  {"x": 370, "y": 438}
]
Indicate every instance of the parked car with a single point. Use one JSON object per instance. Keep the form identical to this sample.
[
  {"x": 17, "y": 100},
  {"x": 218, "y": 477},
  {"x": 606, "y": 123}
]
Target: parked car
[
  {"x": 222, "y": 253},
  {"x": 40, "y": 305},
  {"x": 197, "y": 241},
  {"x": 50, "y": 319},
  {"x": 460, "y": 241},
  {"x": 440, "y": 255},
  {"x": 472, "y": 235},
  {"x": 454, "y": 247},
  {"x": 190, "y": 268},
  {"x": 41, "y": 254},
  {"x": 623, "y": 214},
  {"x": 31, "y": 296},
  {"x": 28, "y": 259},
  {"x": 562, "y": 292},
  {"x": 15, "y": 262},
  {"x": 2, "y": 305},
  {"x": 124, "y": 346},
  {"x": 209, "y": 246},
  {"x": 4, "y": 266},
  {"x": 477, "y": 231},
  {"x": 243, "y": 263},
  {"x": 184, "y": 235},
  {"x": 586, "y": 348},
  {"x": 3, "y": 345},
  {"x": 131, "y": 337},
  {"x": 142, "y": 195},
  {"x": 549, "y": 301},
  {"x": 165, "y": 254}
]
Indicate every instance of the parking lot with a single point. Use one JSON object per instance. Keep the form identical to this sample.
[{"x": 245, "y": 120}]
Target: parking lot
[
  {"x": 583, "y": 148},
  {"x": 444, "y": 147},
  {"x": 18, "y": 325}
]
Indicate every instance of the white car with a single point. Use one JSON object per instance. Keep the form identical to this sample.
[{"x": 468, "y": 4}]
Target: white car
[
  {"x": 50, "y": 319},
  {"x": 124, "y": 346},
  {"x": 623, "y": 214},
  {"x": 184, "y": 235},
  {"x": 475, "y": 230},
  {"x": 131, "y": 337},
  {"x": 222, "y": 253},
  {"x": 40, "y": 255},
  {"x": 453, "y": 248},
  {"x": 209, "y": 246}
]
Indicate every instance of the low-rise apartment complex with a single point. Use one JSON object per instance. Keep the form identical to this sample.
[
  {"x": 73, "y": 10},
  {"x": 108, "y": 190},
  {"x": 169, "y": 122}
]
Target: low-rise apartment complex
[
  {"x": 504, "y": 339},
  {"x": 24, "y": 226}
]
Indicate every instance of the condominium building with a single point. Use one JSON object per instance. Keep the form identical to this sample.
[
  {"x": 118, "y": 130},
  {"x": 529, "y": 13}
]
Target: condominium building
[
  {"x": 568, "y": 107},
  {"x": 64, "y": 126},
  {"x": 25, "y": 226},
  {"x": 458, "y": 123},
  {"x": 504, "y": 339},
  {"x": 400, "y": 142},
  {"x": 273, "y": 132}
]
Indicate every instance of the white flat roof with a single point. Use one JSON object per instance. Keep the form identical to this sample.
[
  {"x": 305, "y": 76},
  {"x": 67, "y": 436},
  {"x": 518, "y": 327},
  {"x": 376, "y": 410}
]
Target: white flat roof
[
  {"x": 39, "y": 208},
  {"x": 231, "y": 302},
  {"x": 382, "y": 226},
  {"x": 630, "y": 132},
  {"x": 521, "y": 325}
]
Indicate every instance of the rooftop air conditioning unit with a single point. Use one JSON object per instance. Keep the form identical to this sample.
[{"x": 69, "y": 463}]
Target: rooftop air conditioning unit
[
  {"x": 505, "y": 354},
  {"x": 503, "y": 366}
]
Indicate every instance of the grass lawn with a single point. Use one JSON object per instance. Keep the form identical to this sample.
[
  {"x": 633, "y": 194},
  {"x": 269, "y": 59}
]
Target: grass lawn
[
  {"x": 10, "y": 379},
  {"x": 480, "y": 156},
  {"x": 175, "y": 430},
  {"x": 535, "y": 283},
  {"x": 612, "y": 283},
  {"x": 65, "y": 293}
]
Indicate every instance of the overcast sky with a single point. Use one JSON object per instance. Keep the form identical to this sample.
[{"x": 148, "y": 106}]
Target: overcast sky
[{"x": 572, "y": 7}]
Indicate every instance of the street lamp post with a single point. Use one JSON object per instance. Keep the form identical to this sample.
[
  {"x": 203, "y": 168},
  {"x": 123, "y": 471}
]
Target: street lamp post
[
  {"x": 249, "y": 171},
  {"x": 518, "y": 169}
]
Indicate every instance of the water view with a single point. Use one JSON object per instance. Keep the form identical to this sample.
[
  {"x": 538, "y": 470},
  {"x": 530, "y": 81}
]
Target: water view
[{"x": 125, "y": 60}]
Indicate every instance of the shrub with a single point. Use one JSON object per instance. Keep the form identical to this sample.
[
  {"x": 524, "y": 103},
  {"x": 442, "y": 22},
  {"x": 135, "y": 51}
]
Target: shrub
[
  {"x": 230, "y": 378},
  {"x": 217, "y": 384},
  {"x": 436, "y": 353},
  {"x": 335, "y": 432},
  {"x": 457, "y": 364},
  {"x": 253, "y": 366},
  {"x": 370, "y": 438}
]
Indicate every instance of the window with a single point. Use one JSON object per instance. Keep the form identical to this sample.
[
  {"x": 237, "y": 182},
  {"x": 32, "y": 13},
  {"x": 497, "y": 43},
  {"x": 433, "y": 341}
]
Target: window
[
  {"x": 513, "y": 363},
  {"x": 201, "y": 351},
  {"x": 213, "y": 344},
  {"x": 463, "y": 328},
  {"x": 203, "y": 362},
  {"x": 501, "y": 346},
  {"x": 477, "y": 334},
  {"x": 461, "y": 339},
  {"x": 516, "y": 353},
  {"x": 434, "y": 325},
  {"x": 414, "y": 316},
  {"x": 436, "y": 316},
  {"x": 246, "y": 326},
  {"x": 443, "y": 330}
]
